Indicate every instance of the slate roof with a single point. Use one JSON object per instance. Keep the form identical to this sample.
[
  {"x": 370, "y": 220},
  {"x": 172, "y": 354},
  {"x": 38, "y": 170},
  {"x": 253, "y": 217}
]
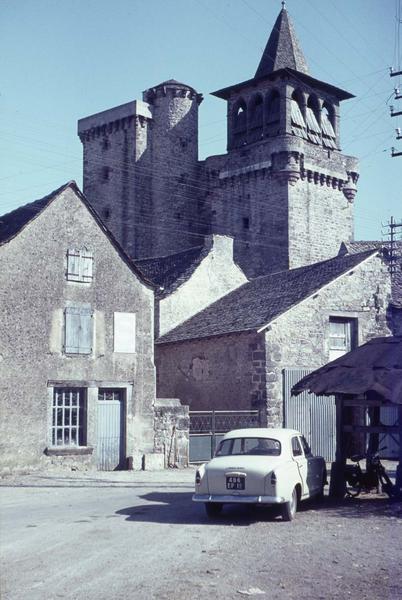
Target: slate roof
[
  {"x": 12, "y": 223},
  {"x": 259, "y": 301},
  {"x": 169, "y": 272},
  {"x": 283, "y": 49},
  {"x": 374, "y": 366}
]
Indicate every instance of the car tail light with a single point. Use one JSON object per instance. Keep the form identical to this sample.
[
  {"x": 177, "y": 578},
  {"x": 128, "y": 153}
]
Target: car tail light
[
  {"x": 197, "y": 478},
  {"x": 273, "y": 478}
]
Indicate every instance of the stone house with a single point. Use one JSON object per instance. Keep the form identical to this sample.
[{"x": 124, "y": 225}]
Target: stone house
[
  {"x": 233, "y": 354},
  {"x": 188, "y": 281},
  {"x": 76, "y": 340}
]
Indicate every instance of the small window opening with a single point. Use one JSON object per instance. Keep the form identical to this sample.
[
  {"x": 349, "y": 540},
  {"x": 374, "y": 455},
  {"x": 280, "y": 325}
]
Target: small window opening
[
  {"x": 106, "y": 213},
  {"x": 246, "y": 223},
  {"x": 105, "y": 144}
]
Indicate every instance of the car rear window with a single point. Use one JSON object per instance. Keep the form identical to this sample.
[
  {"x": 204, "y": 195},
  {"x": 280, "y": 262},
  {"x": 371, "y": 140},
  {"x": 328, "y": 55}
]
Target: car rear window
[{"x": 250, "y": 446}]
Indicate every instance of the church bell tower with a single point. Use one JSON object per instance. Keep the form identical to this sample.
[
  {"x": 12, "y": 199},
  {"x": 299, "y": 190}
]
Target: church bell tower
[{"x": 284, "y": 190}]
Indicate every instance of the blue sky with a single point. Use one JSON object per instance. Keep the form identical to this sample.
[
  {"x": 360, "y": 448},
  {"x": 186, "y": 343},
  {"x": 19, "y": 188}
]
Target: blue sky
[{"x": 65, "y": 59}]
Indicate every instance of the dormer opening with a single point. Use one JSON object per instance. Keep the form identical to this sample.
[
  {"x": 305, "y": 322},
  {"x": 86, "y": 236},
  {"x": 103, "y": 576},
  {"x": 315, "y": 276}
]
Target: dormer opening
[
  {"x": 272, "y": 114},
  {"x": 328, "y": 126},
  {"x": 298, "y": 123},
  {"x": 313, "y": 119},
  {"x": 240, "y": 123},
  {"x": 256, "y": 112}
]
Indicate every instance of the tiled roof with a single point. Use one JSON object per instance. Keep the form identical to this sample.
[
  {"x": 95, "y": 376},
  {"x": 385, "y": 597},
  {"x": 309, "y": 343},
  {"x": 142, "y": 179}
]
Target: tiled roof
[
  {"x": 283, "y": 49},
  {"x": 169, "y": 272},
  {"x": 12, "y": 223},
  {"x": 263, "y": 299}
]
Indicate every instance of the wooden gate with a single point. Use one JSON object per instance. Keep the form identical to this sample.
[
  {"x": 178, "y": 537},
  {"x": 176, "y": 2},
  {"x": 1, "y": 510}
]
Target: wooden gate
[{"x": 110, "y": 430}]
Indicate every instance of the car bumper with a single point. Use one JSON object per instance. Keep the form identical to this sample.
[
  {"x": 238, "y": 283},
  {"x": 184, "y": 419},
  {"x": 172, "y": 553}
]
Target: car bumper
[{"x": 237, "y": 499}]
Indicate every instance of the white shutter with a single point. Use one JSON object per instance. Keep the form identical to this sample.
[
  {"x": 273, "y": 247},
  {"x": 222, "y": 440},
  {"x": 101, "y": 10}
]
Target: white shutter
[
  {"x": 124, "y": 332},
  {"x": 86, "y": 265}
]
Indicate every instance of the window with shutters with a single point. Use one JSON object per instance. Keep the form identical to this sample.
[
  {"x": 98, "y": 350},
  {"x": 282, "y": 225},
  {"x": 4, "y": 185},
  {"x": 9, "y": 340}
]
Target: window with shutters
[
  {"x": 69, "y": 417},
  {"x": 80, "y": 265},
  {"x": 78, "y": 330},
  {"x": 342, "y": 336}
]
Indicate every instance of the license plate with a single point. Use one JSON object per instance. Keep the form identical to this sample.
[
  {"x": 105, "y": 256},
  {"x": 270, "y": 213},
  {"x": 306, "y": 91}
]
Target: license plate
[{"x": 235, "y": 482}]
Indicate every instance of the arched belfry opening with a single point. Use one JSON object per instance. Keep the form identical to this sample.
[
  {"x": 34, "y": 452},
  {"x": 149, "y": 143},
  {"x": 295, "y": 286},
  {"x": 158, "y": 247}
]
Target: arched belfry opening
[
  {"x": 256, "y": 118},
  {"x": 328, "y": 126},
  {"x": 272, "y": 113},
  {"x": 240, "y": 123},
  {"x": 313, "y": 119},
  {"x": 299, "y": 127}
]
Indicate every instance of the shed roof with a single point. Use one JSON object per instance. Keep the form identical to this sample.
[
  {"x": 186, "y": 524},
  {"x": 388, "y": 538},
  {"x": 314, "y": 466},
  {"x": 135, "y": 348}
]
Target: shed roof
[
  {"x": 261, "y": 300},
  {"x": 11, "y": 224},
  {"x": 375, "y": 366}
]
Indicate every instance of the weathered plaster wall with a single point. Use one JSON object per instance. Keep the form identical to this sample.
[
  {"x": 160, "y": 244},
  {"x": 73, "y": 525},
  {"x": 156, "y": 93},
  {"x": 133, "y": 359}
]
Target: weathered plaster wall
[
  {"x": 34, "y": 293},
  {"x": 299, "y": 338},
  {"x": 216, "y": 276}
]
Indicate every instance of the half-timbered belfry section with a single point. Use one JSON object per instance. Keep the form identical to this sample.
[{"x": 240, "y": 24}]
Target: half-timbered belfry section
[
  {"x": 363, "y": 381},
  {"x": 283, "y": 190}
]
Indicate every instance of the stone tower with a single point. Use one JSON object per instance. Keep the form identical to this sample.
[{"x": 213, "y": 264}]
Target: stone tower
[
  {"x": 284, "y": 191},
  {"x": 141, "y": 170}
]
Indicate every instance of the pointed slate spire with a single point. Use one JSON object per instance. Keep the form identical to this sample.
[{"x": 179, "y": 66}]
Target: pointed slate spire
[{"x": 283, "y": 49}]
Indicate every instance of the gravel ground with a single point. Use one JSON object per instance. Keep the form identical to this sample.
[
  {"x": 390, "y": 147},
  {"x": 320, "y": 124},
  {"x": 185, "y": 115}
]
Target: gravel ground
[{"x": 138, "y": 536}]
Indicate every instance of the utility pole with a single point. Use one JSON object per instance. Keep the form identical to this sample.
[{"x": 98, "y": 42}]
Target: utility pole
[
  {"x": 394, "y": 248},
  {"x": 397, "y": 73}
]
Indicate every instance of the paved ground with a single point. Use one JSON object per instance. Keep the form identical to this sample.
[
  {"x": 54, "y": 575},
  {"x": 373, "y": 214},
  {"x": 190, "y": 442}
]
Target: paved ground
[{"x": 138, "y": 536}]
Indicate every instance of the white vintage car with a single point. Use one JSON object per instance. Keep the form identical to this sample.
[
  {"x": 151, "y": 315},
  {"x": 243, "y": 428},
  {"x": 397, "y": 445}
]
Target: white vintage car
[{"x": 260, "y": 466}]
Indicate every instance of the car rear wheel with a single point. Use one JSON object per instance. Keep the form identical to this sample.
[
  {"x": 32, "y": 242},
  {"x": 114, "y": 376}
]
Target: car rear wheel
[
  {"x": 289, "y": 508},
  {"x": 213, "y": 509}
]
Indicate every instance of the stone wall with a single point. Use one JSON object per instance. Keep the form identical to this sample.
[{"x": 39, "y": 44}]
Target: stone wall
[{"x": 172, "y": 425}]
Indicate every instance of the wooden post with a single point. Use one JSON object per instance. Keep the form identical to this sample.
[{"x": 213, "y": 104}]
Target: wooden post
[
  {"x": 399, "y": 467},
  {"x": 337, "y": 484}
]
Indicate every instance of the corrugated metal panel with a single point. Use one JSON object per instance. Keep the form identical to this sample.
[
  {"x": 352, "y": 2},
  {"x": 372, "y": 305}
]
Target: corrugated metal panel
[
  {"x": 109, "y": 442},
  {"x": 313, "y": 415}
]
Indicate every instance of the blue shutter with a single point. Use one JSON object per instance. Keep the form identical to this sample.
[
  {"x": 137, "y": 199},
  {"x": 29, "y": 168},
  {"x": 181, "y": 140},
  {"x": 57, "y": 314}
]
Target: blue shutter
[
  {"x": 78, "y": 330},
  {"x": 85, "y": 339}
]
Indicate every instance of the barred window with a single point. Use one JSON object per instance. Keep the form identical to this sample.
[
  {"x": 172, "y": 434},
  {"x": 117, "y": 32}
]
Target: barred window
[
  {"x": 69, "y": 417},
  {"x": 79, "y": 265}
]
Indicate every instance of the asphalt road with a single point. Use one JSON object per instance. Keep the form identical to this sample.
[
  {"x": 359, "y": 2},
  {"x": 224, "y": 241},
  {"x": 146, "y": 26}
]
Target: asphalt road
[{"x": 138, "y": 536}]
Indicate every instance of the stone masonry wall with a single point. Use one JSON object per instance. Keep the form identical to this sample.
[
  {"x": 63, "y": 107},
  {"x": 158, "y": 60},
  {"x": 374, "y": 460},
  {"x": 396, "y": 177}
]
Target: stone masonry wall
[
  {"x": 206, "y": 374},
  {"x": 172, "y": 425}
]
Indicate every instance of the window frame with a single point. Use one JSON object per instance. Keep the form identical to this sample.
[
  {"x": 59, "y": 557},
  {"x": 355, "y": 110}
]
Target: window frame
[
  {"x": 67, "y": 410},
  {"x": 336, "y": 351}
]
